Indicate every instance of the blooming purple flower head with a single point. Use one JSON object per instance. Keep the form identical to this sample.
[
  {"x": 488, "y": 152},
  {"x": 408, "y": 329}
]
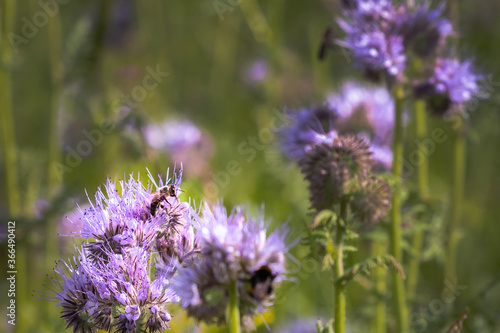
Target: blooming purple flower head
[
  {"x": 108, "y": 284},
  {"x": 379, "y": 34},
  {"x": 424, "y": 29},
  {"x": 369, "y": 112},
  {"x": 373, "y": 39},
  {"x": 451, "y": 86},
  {"x": 455, "y": 79},
  {"x": 235, "y": 247},
  {"x": 307, "y": 128}
]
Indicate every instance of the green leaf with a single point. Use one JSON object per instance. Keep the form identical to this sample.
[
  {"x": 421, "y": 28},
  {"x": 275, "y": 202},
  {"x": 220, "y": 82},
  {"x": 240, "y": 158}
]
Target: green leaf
[
  {"x": 365, "y": 267},
  {"x": 324, "y": 217}
]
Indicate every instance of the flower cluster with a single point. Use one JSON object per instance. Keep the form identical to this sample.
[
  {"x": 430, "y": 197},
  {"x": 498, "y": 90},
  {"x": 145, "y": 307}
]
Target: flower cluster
[
  {"x": 108, "y": 284},
  {"x": 235, "y": 247},
  {"x": 451, "y": 85},
  {"x": 337, "y": 167},
  {"x": 307, "y": 128},
  {"x": 371, "y": 35},
  {"x": 369, "y": 112},
  {"x": 133, "y": 231},
  {"x": 384, "y": 37},
  {"x": 380, "y": 34}
]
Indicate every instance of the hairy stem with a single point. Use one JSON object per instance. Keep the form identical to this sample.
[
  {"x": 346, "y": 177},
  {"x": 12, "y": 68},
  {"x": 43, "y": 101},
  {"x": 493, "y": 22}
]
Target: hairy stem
[
  {"x": 379, "y": 324},
  {"x": 234, "y": 310},
  {"x": 457, "y": 199},
  {"x": 340, "y": 298},
  {"x": 423, "y": 191},
  {"x": 395, "y": 228}
]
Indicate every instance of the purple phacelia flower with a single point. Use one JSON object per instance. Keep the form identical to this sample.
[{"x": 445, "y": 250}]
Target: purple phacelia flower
[
  {"x": 376, "y": 12},
  {"x": 172, "y": 135},
  {"x": 455, "y": 79},
  {"x": 372, "y": 37},
  {"x": 182, "y": 141},
  {"x": 108, "y": 283},
  {"x": 424, "y": 29},
  {"x": 307, "y": 128},
  {"x": 237, "y": 247},
  {"x": 369, "y": 112},
  {"x": 376, "y": 52},
  {"x": 451, "y": 86}
]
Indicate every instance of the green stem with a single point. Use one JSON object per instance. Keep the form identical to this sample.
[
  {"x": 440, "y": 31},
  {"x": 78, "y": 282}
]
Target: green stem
[
  {"x": 379, "y": 325},
  {"x": 234, "y": 310},
  {"x": 56, "y": 71},
  {"x": 457, "y": 199},
  {"x": 7, "y": 115},
  {"x": 340, "y": 299},
  {"x": 395, "y": 228},
  {"x": 7, "y": 17},
  {"x": 458, "y": 175},
  {"x": 423, "y": 190}
]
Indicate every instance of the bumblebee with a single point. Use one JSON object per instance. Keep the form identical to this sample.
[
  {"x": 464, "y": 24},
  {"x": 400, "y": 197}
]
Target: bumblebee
[
  {"x": 161, "y": 196},
  {"x": 261, "y": 283}
]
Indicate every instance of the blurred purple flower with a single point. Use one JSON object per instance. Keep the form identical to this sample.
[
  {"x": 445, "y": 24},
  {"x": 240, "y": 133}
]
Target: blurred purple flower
[
  {"x": 369, "y": 112},
  {"x": 455, "y": 79},
  {"x": 307, "y": 128},
  {"x": 451, "y": 86},
  {"x": 172, "y": 135},
  {"x": 372, "y": 37},
  {"x": 382, "y": 155},
  {"x": 379, "y": 34},
  {"x": 425, "y": 29},
  {"x": 257, "y": 71},
  {"x": 184, "y": 142}
]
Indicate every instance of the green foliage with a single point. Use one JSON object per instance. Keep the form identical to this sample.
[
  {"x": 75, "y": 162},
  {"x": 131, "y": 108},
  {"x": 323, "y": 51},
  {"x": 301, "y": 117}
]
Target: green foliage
[{"x": 367, "y": 266}]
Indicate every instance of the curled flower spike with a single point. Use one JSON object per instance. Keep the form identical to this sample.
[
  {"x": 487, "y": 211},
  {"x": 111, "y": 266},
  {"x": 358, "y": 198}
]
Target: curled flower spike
[
  {"x": 371, "y": 199},
  {"x": 330, "y": 169},
  {"x": 369, "y": 112},
  {"x": 451, "y": 86},
  {"x": 308, "y": 128},
  {"x": 235, "y": 246}
]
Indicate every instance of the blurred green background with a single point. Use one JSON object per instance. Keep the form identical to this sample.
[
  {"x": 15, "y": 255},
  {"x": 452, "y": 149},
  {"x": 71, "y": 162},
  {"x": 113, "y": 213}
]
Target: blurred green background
[{"x": 70, "y": 74}]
